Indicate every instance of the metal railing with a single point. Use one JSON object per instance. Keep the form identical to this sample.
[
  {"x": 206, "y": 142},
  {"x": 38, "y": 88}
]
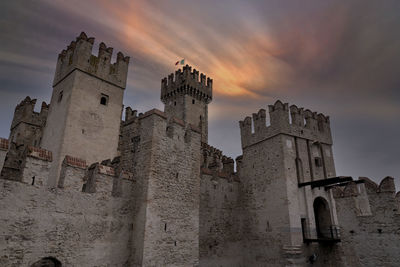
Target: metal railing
[
  {"x": 332, "y": 232},
  {"x": 327, "y": 234}
]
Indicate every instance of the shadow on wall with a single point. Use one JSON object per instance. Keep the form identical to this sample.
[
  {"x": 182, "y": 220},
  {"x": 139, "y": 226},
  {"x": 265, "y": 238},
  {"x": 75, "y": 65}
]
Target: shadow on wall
[{"x": 47, "y": 262}]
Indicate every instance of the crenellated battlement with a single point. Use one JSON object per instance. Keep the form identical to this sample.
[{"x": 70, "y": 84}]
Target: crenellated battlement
[
  {"x": 171, "y": 121},
  {"x": 24, "y": 112},
  {"x": 75, "y": 162},
  {"x": 78, "y": 55},
  {"x": 367, "y": 186},
  {"x": 214, "y": 160},
  {"x": 39, "y": 153},
  {"x": 27, "y": 125},
  {"x": 186, "y": 81},
  {"x": 27, "y": 164},
  {"x": 104, "y": 177},
  {"x": 130, "y": 115},
  {"x": 301, "y": 123}
]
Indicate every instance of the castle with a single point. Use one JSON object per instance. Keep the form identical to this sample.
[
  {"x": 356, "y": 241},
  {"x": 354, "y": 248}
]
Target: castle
[{"x": 82, "y": 187}]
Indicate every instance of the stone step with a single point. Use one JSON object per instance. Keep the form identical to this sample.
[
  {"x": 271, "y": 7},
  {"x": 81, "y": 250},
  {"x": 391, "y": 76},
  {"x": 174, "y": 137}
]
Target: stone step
[{"x": 294, "y": 250}]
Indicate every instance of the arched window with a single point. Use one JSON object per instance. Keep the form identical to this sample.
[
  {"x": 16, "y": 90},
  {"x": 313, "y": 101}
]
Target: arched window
[{"x": 104, "y": 99}]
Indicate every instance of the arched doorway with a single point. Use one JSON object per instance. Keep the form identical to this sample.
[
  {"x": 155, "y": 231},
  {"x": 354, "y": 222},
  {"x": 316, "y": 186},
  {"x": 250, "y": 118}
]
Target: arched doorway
[
  {"x": 47, "y": 262},
  {"x": 323, "y": 221}
]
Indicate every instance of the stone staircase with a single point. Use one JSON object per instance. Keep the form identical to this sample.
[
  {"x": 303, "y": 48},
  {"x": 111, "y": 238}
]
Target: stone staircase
[{"x": 293, "y": 255}]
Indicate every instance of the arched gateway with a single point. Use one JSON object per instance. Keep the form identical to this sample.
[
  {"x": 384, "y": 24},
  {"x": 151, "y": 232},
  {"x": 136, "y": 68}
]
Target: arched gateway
[{"x": 323, "y": 220}]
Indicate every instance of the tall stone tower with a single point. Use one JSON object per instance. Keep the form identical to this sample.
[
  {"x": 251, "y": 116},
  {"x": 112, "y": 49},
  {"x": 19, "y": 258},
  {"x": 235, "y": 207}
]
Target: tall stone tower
[
  {"x": 86, "y": 104},
  {"x": 187, "y": 98},
  {"x": 286, "y": 170}
]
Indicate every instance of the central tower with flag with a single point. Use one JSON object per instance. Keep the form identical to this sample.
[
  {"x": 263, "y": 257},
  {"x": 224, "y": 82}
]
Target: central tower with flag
[{"x": 186, "y": 97}]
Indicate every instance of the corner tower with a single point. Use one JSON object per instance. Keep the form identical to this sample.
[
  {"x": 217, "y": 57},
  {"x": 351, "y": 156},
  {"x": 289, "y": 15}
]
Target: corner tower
[
  {"x": 86, "y": 104},
  {"x": 187, "y": 98}
]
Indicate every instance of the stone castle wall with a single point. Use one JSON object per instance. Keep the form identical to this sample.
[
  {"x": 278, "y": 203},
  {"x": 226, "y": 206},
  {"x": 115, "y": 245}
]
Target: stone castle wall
[
  {"x": 369, "y": 217},
  {"x": 77, "y": 228},
  {"x": 167, "y": 232},
  {"x": 98, "y": 213},
  {"x": 220, "y": 219},
  {"x": 163, "y": 196},
  {"x": 129, "y": 141}
]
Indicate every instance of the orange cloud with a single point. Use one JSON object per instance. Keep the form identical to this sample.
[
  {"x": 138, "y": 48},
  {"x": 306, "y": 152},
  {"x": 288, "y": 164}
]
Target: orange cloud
[
  {"x": 239, "y": 67},
  {"x": 243, "y": 57}
]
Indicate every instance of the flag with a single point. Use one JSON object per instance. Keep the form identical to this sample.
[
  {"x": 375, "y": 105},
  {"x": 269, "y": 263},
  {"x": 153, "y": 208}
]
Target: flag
[{"x": 180, "y": 62}]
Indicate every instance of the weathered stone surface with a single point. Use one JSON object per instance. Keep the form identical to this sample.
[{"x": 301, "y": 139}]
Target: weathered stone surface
[
  {"x": 370, "y": 237},
  {"x": 186, "y": 97},
  {"x": 76, "y": 228},
  {"x": 79, "y": 123},
  {"x": 168, "y": 196},
  {"x": 82, "y": 187},
  {"x": 220, "y": 221}
]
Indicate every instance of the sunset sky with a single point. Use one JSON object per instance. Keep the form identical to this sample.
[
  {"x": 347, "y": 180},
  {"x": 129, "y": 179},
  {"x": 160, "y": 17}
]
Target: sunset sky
[{"x": 340, "y": 58}]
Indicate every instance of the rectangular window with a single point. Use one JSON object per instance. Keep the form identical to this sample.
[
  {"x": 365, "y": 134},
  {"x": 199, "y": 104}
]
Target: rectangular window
[
  {"x": 318, "y": 161},
  {"x": 304, "y": 228},
  {"x": 104, "y": 99},
  {"x": 60, "y": 96}
]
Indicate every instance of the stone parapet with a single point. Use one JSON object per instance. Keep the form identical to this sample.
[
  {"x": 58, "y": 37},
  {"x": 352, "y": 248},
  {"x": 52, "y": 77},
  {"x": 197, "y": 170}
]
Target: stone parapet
[
  {"x": 78, "y": 55},
  {"x": 215, "y": 160},
  {"x": 353, "y": 190},
  {"x": 186, "y": 81},
  {"x": 40, "y": 153},
  {"x": 303, "y": 124},
  {"x": 24, "y": 112},
  {"x": 106, "y": 170},
  {"x": 75, "y": 162}
]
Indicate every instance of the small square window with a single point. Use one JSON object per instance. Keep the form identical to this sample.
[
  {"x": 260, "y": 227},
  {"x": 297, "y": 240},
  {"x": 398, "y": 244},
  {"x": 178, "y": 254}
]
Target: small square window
[
  {"x": 104, "y": 99},
  {"x": 318, "y": 161},
  {"x": 60, "y": 96}
]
